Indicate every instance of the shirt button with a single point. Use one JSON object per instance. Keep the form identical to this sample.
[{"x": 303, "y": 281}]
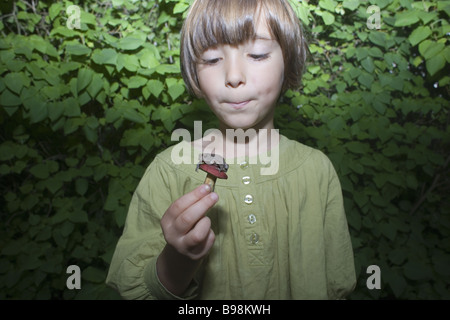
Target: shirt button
[
  {"x": 254, "y": 238},
  {"x": 251, "y": 218},
  {"x": 244, "y": 165},
  {"x": 248, "y": 199},
  {"x": 246, "y": 180}
]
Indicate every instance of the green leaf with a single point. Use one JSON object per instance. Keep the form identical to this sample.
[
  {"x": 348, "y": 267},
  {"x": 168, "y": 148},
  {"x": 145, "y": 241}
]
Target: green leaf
[
  {"x": 130, "y": 43},
  {"x": 84, "y": 78},
  {"x": 396, "y": 282},
  {"x": 78, "y": 216},
  {"x": 55, "y": 10},
  {"x": 9, "y": 99},
  {"x": 417, "y": 270},
  {"x": 13, "y": 247},
  {"x": 95, "y": 86},
  {"x": 328, "y": 18},
  {"x": 137, "y": 137},
  {"x": 175, "y": 87},
  {"x": 133, "y": 115},
  {"x": 444, "y": 6},
  {"x": 155, "y": 87},
  {"x": 63, "y": 31},
  {"x": 350, "y": 4},
  {"x": 302, "y": 12},
  {"x": 389, "y": 230},
  {"x": 441, "y": 261},
  {"x": 148, "y": 59},
  {"x": 435, "y": 64},
  {"x": 329, "y": 5},
  {"x": 40, "y": 171},
  {"x": 105, "y": 56},
  {"x": 368, "y": 64},
  {"x": 71, "y": 107},
  {"x": 419, "y": 34},
  {"x": 81, "y": 186},
  {"x": 356, "y": 147},
  {"x": 390, "y": 150},
  {"x": 375, "y": 52},
  {"x": 129, "y": 62},
  {"x": 15, "y": 82},
  {"x": 167, "y": 68},
  {"x": 38, "y": 109},
  {"x": 53, "y": 184},
  {"x": 92, "y": 274},
  {"x": 397, "y": 256},
  {"x": 361, "y": 53},
  {"x": 406, "y": 18},
  {"x": 378, "y": 38},
  {"x": 180, "y": 7},
  {"x": 411, "y": 182},
  {"x": 337, "y": 124},
  {"x": 66, "y": 228},
  {"x": 136, "y": 82},
  {"x": 379, "y": 106},
  {"x": 78, "y": 49},
  {"x": 366, "y": 80},
  {"x": 429, "y": 49}
]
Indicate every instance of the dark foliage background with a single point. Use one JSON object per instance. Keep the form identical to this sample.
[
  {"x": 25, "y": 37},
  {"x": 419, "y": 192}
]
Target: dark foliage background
[{"x": 84, "y": 110}]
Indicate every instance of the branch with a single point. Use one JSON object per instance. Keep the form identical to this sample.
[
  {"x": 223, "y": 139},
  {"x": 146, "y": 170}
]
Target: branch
[
  {"x": 168, "y": 44},
  {"x": 15, "y": 19},
  {"x": 434, "y": 184}
]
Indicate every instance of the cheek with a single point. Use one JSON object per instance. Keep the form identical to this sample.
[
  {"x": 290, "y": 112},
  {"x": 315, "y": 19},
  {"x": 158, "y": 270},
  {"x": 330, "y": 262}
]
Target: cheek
[
  {"x": 207, "y": 81},
  {"x": 270, "y": 80}
]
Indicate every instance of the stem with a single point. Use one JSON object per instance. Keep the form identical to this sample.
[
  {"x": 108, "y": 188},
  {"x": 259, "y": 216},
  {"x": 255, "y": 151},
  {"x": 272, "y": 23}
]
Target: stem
[
  {"x": 211, "y": 181},
  {"x": 168, "y": 44},
  {"x": 430, "y": 189}
]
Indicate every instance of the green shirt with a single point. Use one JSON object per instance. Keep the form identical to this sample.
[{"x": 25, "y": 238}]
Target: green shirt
[{"x": 278, "y": 236}]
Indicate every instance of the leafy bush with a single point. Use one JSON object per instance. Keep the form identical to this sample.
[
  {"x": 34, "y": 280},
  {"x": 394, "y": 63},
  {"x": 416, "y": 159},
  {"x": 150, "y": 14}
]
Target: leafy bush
[{"x": 85, "y": 108}]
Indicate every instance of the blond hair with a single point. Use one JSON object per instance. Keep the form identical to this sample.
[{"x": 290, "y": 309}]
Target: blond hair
[{"x": 216, "y": 22}]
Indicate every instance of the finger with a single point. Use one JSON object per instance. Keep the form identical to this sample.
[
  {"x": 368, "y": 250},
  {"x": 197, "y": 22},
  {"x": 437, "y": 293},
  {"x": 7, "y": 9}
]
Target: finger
[
  {"x": 198, "y": 234},
  {"x": 189, "y": 218},
  {"x": 200, "y": 243},
  {"x": 187, "y": 200}
]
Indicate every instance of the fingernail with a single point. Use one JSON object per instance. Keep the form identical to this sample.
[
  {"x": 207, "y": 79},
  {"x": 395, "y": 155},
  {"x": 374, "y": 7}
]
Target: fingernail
[
  {"x": 214, "y": 196},
  {"x": 205, "y": 189}
]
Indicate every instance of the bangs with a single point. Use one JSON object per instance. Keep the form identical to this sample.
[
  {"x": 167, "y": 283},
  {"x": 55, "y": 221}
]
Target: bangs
[
  {"x": 222, "y": 22},
  {"x": 211, "y": 23}
]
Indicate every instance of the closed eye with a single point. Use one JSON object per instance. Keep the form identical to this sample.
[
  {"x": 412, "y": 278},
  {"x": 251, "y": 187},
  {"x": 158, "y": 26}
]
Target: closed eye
[
  {"x": 211, "y": 61},
  {"x": 259, "y": 57}
]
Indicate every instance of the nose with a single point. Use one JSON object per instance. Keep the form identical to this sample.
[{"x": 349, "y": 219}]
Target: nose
[{"x": 235, "y": 72}]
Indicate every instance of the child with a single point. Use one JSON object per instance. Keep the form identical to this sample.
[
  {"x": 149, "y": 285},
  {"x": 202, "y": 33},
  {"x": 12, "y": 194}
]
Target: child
[{"x": 281, "y": 235}]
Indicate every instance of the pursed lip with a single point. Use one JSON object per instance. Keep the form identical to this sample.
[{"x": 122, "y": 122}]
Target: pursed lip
[{"x": 238, "y": 105}]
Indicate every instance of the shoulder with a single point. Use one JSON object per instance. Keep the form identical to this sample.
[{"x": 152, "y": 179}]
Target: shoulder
[
  {"x": 298, "y": 156},
  {"x": 178, "y": 159}
]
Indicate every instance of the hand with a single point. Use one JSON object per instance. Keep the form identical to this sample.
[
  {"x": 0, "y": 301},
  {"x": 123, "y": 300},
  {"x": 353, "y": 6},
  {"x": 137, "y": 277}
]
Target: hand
[{"x": 185, "y": 225}]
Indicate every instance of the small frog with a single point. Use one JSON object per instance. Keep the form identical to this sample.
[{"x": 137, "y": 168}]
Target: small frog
[{"x": 212, "y": 159}]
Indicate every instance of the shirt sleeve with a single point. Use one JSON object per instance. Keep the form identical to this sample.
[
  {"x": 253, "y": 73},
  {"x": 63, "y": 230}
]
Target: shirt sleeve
[
  {"x": 133, "y": 267},
  {"x": 340, "y": 267}
]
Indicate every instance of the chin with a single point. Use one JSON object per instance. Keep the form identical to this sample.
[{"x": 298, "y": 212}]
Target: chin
[
  {"x": 239, "y": 125},
  {"x": 240, "y": 122}
]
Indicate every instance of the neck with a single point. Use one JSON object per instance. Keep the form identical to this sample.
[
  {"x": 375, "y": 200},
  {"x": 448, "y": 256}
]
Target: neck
[{"x": 237, "y": 143}]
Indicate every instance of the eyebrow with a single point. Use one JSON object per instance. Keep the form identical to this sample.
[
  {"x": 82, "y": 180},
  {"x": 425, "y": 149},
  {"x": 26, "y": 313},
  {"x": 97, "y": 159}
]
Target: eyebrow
[{"x": 262, "y": 37}]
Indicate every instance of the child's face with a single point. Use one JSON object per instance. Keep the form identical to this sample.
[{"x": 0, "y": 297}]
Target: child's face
[{"x": 241, "y": 84}]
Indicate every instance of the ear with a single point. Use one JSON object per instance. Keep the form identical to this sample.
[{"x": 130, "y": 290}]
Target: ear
[{"x": 198, "y": 93}]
